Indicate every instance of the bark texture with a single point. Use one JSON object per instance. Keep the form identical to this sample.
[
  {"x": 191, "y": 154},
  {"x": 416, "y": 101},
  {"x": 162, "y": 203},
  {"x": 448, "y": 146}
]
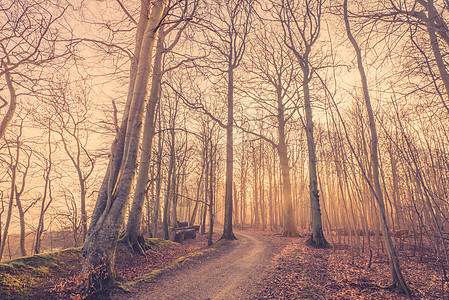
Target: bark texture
[
  {"x": 135, "y": 215},
  {"x": 395, "y": 270},
  {"x": 227, "y": 231},
  {"x": 100, "y": 244},
  {"x": 317, "y": 238},
  {"x": 12, "y": 106},
  {"x": 290, "y": 228}
]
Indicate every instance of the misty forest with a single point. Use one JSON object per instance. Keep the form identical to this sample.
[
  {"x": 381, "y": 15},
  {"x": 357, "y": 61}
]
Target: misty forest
[{"x": 224, "y": 149}]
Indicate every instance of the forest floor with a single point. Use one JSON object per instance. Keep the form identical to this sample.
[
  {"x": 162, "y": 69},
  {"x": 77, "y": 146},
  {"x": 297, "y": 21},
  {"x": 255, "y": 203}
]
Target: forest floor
[
  {"x": 259, "y": 265},
  {"x": 233, "y": 270},
  {"x": 264, "y": 265}
]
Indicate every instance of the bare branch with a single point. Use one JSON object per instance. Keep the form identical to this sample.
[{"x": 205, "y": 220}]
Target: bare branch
[
  {"x": 126, "y": 12},
  {"x": 196, "y": 106}
]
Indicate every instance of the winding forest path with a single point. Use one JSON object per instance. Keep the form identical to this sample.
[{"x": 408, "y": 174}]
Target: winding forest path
[{"x": 233, "y": 271}]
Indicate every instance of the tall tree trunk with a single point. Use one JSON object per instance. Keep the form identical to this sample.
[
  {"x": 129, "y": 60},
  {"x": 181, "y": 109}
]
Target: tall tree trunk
[
  {"x": 255, "y": 190},
  {"x": 206, "y": 186},
  {"x": 432, "y": 16},
  {"x": 228, "y": 234},
  {"x": 395, "y": 186},
  {"x": 158, "y": 179},
  {"x": 243, "y": 201},
  {"x": 47, "y": 194},
  {"x": 270, "y": 195},
  {"x": 262, "y": 188},
  {"x": 398, "y": 280},
  {"x": 167, "y": 195},
  {"x": 243, "y": 184},
  {"x": 195, "y": 209},
  {"x": 276, "y": 194},
  {"x": 22, "y": 223},
  {"x": 133, "y": 233},
  {"x": 317, "y": 237},
  {"x": 174, "y": 193},
  {"x": 290, "y": 228},
  {"x": 289, "y": 216},
  {"x": 18, "y": 193},
  {"x": 82, "y": 182},
  {"x": 211, "y": 197},
  {"x": 101, "y": 241},
  {"x": 10, "y": 206},
  {"x": 118, "y": 145},
  {"x": 236, "y": 205}
]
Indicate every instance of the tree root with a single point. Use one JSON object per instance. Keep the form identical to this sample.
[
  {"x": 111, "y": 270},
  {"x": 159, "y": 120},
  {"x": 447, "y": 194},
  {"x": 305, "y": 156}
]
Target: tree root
[
  {"x": 231, "y": 238},
  {"x": 291, "y": 234},
  {"x": 322, "y": 243},
  {"x": 136, "y": 243},
  {"x": 395, "y": 288}
]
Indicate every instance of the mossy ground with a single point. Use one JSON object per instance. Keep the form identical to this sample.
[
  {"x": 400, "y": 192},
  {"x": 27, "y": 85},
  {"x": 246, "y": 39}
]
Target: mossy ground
[
  {"x": 44, "y": 276},
  {"x": 56, "y": 275},
  {"x": 26, "y": 277}
]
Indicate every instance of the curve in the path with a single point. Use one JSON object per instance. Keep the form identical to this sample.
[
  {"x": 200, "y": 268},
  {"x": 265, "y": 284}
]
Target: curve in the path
[{"x": 232, "y": 274}]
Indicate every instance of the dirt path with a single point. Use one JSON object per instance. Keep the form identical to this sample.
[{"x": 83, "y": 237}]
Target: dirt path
[{"x": 231, "y": 272}]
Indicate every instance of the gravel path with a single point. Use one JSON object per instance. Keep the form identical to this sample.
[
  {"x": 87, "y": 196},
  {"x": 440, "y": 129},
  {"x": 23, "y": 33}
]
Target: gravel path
[{"x": 231, "y": 272}]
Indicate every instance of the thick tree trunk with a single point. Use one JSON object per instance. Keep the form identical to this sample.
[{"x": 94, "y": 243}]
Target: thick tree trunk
[
  {"x": 398, "y": 280},
  {"x": 99, "y": 247},
  {"x": 290, "y": 228},
  {"x": 317, "y": 237},
  {"x": 228, "y": 234},
  {"x": 289, "y": 216},
  {"x": 432, "y": 16},
  {"x": 118, "y": 145},
  {"x": 133, "y": 230}
]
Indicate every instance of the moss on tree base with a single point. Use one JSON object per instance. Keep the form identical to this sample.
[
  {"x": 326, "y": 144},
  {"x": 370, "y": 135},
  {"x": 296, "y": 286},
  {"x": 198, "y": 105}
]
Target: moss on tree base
[
  {"x": 287, "y": 233},
  {"x": 321, "y": 243}
]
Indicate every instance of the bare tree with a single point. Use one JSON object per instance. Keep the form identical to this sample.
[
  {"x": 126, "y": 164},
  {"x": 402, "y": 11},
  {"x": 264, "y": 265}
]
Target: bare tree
[
  {"x": 13, "y": 165},
  {"x": 226, "y": 33},
  {"x": 109, "y": 211},
  {"x": 398, "y": 280},
  {"x": 273, "y": 69},
  {"x": 19, "y": 191},
  {"x": 301, "y": 24},
  {"x": 47, "y": 198},
  {"x": 71, "y": 124},
  {"x": 27, "y": 44},
  {"x": 133, "y": 234}
]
